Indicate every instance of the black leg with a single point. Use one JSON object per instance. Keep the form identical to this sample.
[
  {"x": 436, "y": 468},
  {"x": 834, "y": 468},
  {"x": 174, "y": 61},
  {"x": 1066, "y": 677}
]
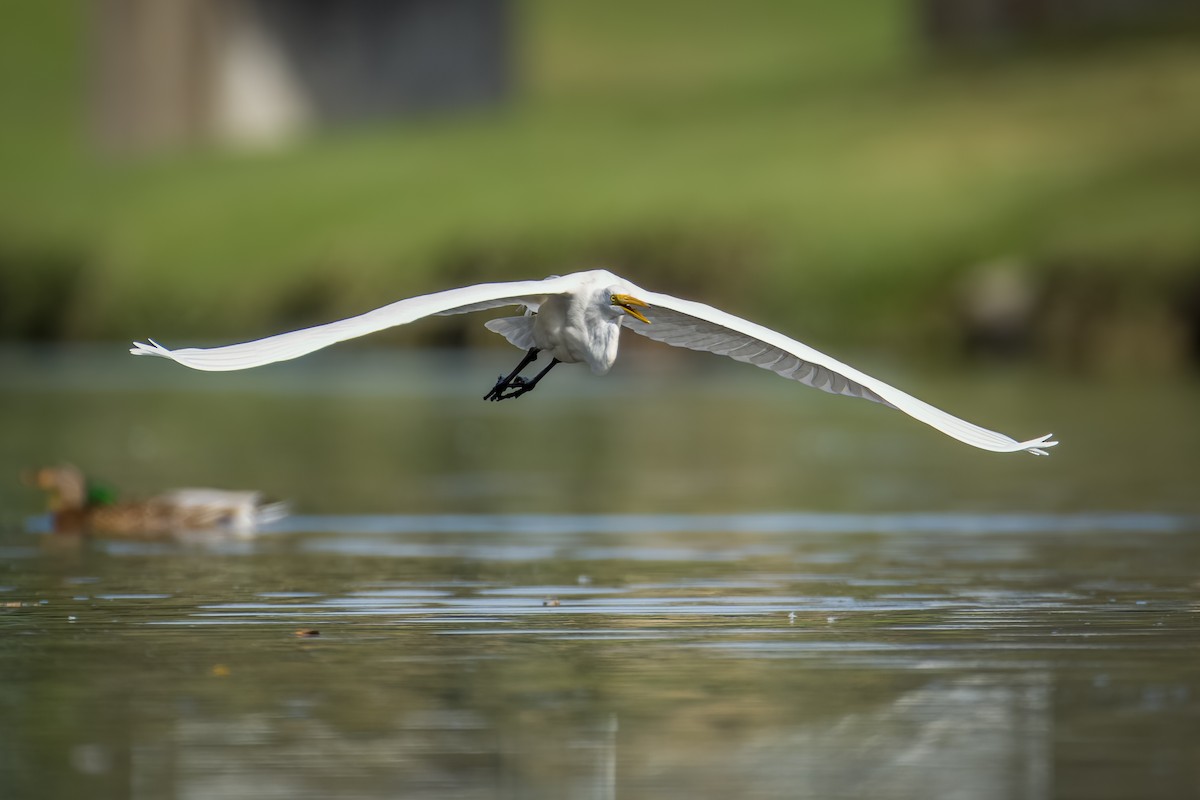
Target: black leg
[
  {"x": 520, "y": 387},
  {"x": 497, "y": 392}
]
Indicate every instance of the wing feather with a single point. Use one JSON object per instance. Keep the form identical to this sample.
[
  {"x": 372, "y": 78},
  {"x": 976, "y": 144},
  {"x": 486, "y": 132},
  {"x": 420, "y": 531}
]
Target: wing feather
[
  {"x": 294, "y": 344},
  {"x": 517, "y": 330},
  {"x": 696, "y": 326}
]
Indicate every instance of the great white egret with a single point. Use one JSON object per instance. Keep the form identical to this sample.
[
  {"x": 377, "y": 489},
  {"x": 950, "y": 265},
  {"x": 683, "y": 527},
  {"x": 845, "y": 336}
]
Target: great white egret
[{"x": 578, "y": 318}]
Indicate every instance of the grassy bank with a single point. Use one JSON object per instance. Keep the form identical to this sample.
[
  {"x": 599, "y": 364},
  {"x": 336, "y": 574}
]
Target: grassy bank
[{"x": 807, "y": 163}]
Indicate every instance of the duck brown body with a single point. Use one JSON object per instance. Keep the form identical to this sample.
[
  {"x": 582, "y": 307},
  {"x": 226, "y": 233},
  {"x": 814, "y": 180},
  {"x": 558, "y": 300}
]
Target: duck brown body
[{"x": 73, "y": 511}]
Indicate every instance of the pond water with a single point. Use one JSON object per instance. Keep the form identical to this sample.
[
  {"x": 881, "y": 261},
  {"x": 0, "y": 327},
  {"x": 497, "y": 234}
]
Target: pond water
[{"x": 679, "y": 580}]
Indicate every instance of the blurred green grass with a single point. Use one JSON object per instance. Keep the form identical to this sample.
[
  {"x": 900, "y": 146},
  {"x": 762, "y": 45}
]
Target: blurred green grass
[{"x": 789, "y": 160}]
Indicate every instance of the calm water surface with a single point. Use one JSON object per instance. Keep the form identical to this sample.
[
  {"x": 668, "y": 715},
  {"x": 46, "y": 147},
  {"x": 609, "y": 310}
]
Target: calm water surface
[{"x": 662, "y": 583}]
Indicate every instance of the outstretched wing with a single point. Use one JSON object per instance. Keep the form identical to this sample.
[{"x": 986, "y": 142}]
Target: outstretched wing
[
  {"x": 684, "y": 323},
  {"x": 284, "y": 346}
]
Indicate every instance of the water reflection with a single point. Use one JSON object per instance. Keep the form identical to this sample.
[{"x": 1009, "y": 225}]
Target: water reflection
[{"x": 828, "y": 657}]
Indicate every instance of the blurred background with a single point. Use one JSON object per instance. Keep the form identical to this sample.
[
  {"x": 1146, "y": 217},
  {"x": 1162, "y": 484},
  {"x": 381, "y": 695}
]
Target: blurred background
[
  {"x": 1014, "y": 176},
  {"x": 921, "y": 187},
  {"x": 688, "y": 574}
]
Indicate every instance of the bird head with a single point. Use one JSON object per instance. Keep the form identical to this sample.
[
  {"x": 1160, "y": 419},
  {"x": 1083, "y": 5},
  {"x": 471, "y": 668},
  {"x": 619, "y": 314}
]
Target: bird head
[
  {"x": 64, "y": 484},
  {"x": 629, "y": 304}
]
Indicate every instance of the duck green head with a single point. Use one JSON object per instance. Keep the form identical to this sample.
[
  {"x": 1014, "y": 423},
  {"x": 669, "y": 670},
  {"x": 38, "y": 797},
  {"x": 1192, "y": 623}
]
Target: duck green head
[{"x": 99, "y": 494}]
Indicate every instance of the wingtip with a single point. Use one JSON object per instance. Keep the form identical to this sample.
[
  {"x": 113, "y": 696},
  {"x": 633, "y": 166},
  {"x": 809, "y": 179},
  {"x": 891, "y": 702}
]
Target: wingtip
[
  {"x": 151, "y": 349},
  {"x": 1036, "y": 446}
]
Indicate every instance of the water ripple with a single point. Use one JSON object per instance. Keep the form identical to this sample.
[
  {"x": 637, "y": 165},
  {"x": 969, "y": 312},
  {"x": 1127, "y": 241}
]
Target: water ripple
[{"x": 763, "y": 523}]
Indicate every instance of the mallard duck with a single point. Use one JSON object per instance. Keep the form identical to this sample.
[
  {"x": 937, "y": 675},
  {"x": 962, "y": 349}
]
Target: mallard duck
[{"x": 82, "y": 507}]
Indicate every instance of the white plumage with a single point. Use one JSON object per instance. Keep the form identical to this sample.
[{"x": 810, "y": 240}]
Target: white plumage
[{"x": 578, "y": 318}]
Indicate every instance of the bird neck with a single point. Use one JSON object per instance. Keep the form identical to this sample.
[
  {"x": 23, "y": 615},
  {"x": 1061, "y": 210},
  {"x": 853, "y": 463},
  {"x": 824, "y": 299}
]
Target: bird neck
[{"x": 605, "y": 336}]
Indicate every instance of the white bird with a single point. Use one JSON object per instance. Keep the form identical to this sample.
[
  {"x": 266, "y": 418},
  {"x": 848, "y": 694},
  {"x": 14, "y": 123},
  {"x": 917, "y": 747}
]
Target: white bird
[{"x": 578, "y": 318}]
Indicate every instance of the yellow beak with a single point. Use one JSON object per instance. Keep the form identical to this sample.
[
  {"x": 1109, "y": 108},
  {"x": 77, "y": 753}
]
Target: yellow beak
[{"x": 627, "y": 302}]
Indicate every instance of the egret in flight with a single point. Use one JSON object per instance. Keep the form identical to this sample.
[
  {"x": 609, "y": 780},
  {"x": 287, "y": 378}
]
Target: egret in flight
[{"x": 578, "y": 318}]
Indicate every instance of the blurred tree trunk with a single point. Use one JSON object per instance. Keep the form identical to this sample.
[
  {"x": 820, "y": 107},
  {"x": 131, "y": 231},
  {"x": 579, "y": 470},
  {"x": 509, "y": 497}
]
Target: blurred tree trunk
[{"x": 169, "y": 73}]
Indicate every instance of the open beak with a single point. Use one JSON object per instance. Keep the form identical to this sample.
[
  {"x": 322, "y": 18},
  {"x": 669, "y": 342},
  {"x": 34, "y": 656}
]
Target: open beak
[{"x": 627, "y": 302}]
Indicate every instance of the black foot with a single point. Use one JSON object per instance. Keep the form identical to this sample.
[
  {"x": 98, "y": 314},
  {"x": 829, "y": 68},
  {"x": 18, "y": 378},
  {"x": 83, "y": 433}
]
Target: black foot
[
  {"x": 508, "y": 390},
  {"x": 514, "y": 385},
  {"x": 513, "y": 378}
]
